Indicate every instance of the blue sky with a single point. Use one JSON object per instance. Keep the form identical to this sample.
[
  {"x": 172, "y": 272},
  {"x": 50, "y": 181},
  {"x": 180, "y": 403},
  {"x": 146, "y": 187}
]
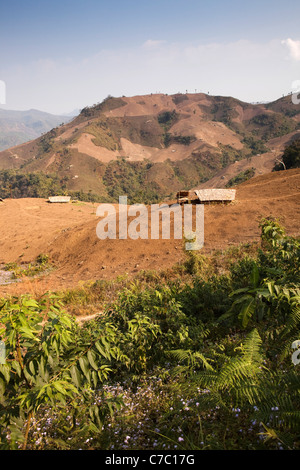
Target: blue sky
[{"x": 60, "y": 55}]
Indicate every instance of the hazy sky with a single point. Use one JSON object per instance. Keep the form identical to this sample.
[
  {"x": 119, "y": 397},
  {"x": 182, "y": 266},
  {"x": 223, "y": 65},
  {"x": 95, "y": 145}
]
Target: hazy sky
[{"x": 60, "y": 55}]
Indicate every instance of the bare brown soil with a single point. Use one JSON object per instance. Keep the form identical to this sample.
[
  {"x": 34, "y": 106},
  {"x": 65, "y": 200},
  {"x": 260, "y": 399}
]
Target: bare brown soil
[{"x": 67, "y": 233}]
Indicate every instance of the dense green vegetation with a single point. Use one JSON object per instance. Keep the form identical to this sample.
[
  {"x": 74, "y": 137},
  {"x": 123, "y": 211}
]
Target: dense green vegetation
[
  {"x": 46, "y": 142},
  {"x": 268, "y": 126},
  {"x": 149, "y": 182},
  {"x": 241, "y": 177},
  {"x": 125, "y": 178},
  {"x": 167, "y": 118},
  {"x": 256, "y": 145},
  {"x": 178, "y": 139},
  {"x": 290, "y": 157},
  {"x": 140, "y": 181},
  {"x": 16, "y": 184},
  {"x": 199, "y": 357},
  {"x": 103, "y": 135},
  {"x": 230, "y": 155},
  {"x": 223, "y": 110}
]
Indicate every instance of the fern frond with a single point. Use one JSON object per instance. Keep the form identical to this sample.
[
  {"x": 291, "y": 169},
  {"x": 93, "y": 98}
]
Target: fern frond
[
  {"x": 246, "y": 393},
  {"x": 245, "y": 369},
  {"x": 286, "y": 347},
  {"x": 193, "y": 359},
  {"x": 252, "y": 346},
  {"x": 236, "y": 372},
  {"x": 293, "y": 321}
]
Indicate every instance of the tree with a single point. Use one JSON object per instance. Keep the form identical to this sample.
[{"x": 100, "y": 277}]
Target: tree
[{"x": 290, "y": 157}]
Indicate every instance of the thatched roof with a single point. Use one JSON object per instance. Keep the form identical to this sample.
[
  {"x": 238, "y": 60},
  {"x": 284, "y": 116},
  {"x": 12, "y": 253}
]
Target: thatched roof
[
  {"x": 210, "y": 195},
  {"x": 59, "y": 198}
]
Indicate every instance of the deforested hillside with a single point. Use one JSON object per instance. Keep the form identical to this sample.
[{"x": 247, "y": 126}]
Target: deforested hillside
[{"x": 149, "y": 147}]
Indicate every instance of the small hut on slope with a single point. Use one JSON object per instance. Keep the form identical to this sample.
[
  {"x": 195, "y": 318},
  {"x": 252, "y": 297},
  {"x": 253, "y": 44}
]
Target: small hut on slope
[{"x": 206, "y": 196}]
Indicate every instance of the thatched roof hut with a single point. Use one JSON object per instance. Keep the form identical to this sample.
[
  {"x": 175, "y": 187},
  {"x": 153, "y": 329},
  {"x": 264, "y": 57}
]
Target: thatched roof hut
[{"x": 206, "y": 195}]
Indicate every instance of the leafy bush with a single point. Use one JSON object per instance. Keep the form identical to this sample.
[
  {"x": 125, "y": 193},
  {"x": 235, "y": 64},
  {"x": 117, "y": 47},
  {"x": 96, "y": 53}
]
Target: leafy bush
[
  {"x": 167, "y": 118},
  {"x": 178, "y": 139},
  {"x": 49, "y": 364},
  {"x": 241, "y": 177},
  {"x": 200, "y": 362},
  {"x": 290, "y": 157},
  {"x": 256, "y": 145}
]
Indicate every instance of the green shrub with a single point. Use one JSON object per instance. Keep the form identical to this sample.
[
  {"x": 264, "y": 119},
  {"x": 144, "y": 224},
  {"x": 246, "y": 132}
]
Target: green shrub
[
  {"x": 49, "y": 365},
  {"x": 200, "y": 362},
  {"x": 241, "y": 177},
  {"x": 290, "y": 157}
]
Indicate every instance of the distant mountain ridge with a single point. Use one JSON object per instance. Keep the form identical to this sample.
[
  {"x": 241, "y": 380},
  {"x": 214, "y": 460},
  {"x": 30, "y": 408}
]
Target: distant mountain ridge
[
  {"x": 150, "y": 146},
  {"x": 17, "y": 127}
]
